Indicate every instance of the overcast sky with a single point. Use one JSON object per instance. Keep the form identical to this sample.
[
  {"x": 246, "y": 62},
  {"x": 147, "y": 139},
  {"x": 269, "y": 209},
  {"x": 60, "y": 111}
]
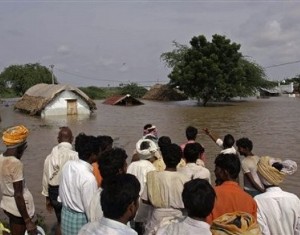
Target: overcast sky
[{"x": 109, "y": 42}]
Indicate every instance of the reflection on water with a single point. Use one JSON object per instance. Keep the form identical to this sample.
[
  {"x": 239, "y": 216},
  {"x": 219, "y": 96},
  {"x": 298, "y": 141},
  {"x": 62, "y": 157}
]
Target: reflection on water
[{"x": 272, "y": 125}]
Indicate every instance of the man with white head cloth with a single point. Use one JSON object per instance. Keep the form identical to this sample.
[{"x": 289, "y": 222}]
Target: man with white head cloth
[
  {"x": 278, "y": 211},
  {"x": 147, "y": 151}
]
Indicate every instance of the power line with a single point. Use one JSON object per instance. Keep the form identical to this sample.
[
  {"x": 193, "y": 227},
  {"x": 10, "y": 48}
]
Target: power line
[
  {"x": 102, "y": 80},
  {"x": 282, "y": 64}
]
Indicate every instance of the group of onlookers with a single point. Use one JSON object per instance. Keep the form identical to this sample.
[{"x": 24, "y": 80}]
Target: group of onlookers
[{"x": 166, "y": 188}]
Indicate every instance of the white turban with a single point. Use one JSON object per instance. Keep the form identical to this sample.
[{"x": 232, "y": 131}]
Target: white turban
[{"x": 149, "y": 152}]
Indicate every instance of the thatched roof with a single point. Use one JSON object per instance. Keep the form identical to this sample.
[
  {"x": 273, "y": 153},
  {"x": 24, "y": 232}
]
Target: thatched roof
[
  {"x": 38, "y": 96},
  {"x": 164, "y": 93},
  {"x": 126, "y": 100}
]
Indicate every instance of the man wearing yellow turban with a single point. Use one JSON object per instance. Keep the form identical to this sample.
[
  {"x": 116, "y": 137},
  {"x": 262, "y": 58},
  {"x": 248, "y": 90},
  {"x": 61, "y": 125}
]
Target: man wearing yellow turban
[
  {"x": 17, "y": 201},
  {"x": 278, "y": 211}
]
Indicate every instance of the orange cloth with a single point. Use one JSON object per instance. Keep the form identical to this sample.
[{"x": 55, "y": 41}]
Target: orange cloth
[
  {"x": 97, "y": 173},
  {"x": 15, "y": 135},
  {"x": 230, "y": 198}
]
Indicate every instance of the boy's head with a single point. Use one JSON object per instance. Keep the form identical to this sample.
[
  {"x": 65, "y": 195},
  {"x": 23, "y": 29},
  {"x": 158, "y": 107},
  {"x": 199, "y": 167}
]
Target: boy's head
[
  {"x": 87, "y": 147},
  {"x": 120, "y": 197},
  {"x": 227, "y": 167},
  {"x": 191, "y": 133},
  {"x": 171, "y": 154},
  {"x": 228, "y": 141},
  {"x": 192, "y": 152},
  {"x": 112, "y": 162},
  {"x": 198, "y": 198},
  {"x": 244, "y": 146}
]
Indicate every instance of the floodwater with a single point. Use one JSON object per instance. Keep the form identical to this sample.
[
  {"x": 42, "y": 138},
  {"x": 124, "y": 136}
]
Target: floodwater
[{"x": 272, "y": 124}]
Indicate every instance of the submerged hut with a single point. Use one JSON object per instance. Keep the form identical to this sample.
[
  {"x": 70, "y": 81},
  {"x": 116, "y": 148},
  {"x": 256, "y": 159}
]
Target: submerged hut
[
  {"x": 164, "y": 93},
  {"x": 123, "y": 100},
  {"x": 55, "y": 99}
]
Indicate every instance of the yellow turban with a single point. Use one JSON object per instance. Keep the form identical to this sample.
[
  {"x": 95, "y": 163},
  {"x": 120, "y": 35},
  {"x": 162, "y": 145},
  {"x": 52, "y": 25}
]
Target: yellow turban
[
  {"x": 15, "y": 136},
  {"x": 236, "y": 223}
]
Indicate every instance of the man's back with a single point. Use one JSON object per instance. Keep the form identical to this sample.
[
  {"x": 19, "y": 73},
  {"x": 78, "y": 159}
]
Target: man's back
[
  {"x": 231, "y": 198},
  {"x": 278, "y": 212}
]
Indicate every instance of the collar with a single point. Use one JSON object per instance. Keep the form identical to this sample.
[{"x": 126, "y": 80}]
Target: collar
[
  {"x": 113, "y": 223},
  {"x": 274, "y": 189},
  {"x": 86, "y": 164},
  {"x": 196, "y": 223},
  {"x": 229, "y": 182},
  {"x": 65, "y": 145}
]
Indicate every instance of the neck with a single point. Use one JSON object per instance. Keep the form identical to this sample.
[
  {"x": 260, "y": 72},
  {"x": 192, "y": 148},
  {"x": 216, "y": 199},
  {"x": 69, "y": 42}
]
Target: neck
[
  {"x": 170, "y": 169},
  {"x": 123, "y": 220},
  {"x": 197, "y": 218},
  {"x": 9, "y": 152}
]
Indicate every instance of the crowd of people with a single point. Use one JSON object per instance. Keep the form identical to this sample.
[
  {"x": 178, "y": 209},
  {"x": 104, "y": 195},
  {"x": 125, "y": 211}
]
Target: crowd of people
[{"x": 165, "y": 188}]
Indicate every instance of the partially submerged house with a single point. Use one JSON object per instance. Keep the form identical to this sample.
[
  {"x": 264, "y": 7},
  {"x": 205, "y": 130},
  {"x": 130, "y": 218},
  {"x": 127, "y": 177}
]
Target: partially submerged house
[
  {"x": 55, "y": 99},
  {"x": 123, "y": 100},
  {"x": 164, "y": 93}
]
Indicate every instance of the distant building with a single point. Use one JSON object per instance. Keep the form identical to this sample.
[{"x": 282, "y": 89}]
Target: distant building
[
  {"x": 123, "y": 100},
  {"x": 55, "y": 99}
]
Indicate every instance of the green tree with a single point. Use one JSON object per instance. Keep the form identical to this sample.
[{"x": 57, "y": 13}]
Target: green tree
[
  {"x": 213, "y": 70},
  {"x": 21, "y": 77},
  {"x": 133, "y": 89}
]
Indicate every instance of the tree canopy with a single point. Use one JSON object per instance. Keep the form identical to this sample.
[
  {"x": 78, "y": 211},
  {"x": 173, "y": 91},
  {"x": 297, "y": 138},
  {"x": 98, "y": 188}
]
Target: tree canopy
[
  {"x": 213, "y": 70},
  {"x": 21, "y": 77}
]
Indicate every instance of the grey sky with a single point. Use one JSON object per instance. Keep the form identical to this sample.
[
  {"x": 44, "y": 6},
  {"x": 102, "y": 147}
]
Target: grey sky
[{"x": 108, "y": 42}]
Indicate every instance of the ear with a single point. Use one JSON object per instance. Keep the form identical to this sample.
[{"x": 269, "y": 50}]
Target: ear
[{"x": 132, "y": 209}]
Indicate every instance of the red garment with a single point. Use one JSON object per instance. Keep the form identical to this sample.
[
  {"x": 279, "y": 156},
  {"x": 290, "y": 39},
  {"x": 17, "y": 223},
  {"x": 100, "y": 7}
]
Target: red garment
[{"x": 230, "y": 198}]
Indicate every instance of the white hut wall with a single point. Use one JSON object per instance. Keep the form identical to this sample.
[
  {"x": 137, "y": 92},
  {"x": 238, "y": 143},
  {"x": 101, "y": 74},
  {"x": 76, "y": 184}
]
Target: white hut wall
[{"x": 58, "y": 106}]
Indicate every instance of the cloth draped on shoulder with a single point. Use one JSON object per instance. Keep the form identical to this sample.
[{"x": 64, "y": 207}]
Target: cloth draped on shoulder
[
  {"x": 271, "y": 175},
  {"x": 236, "y": 223},
  {"x": 154, "y": 192}
]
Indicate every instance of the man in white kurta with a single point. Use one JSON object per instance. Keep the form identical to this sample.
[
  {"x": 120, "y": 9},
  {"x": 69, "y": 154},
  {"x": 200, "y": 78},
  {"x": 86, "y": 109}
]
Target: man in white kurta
[{"x": 278, "y": 212}]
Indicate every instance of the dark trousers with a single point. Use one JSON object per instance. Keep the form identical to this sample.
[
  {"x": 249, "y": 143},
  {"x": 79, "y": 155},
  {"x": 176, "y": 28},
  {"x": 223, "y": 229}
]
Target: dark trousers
[{"x": 53, "y": 195}]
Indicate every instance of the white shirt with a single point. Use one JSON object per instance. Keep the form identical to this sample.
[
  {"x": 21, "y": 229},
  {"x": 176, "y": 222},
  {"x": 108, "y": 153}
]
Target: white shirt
[
  {"x": 278, "y": 212},
  {"x": 231, "y": 150},
  {"x": 77, "y": 186},
  {"x": 95, "y": 209},
  {"x": 106, "y": 227},
  {"x": 54, "y": 162},
  {"x": 186, "y": 226},
  {"x": 140, "y": 169},
  {"x": 249, "y": 165},
  {"x": 11, "y": 171},
  {"x": 193, "y": 171}
]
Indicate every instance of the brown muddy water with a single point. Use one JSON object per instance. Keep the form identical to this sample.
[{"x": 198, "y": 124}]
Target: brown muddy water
[{"x": 272, "y": 124}]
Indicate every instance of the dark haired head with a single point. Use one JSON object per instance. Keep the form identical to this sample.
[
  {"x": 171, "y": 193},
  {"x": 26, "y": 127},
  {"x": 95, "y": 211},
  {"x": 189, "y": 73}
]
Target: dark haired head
[
  {"x": 86, "y": 146},
  {"x": 112, "y": 162},
  {"x": 172, "y": 154},
  {"x": 105, "y": 142},
  {"x": 163, "y": 141},
  {"x": 121, "y": 192},
  {"x": 228, "y": 141},
  {"x": 65, "y": 135},
  {"x": 198, "y": 198},
  {"x": 192, "y": 152},
  {"x": 229, "y": 166},
  {"x": 244, "y": 143},
  {"x": 191, "y": 133}
]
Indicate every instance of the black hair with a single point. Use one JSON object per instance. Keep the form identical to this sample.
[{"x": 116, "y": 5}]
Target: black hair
[
  {"x": 120, "y": 192},
  {"x": 105, "y": 142},
  {"x": 198, "y": 197},
  {"x": 86, "y": 145},
  {"x": 244, "y": 143},
  {"x": 228, "y": 141},
  {"x": 229, "y": 162},
  {"x": 111, "y": 162},
  {"x": 147, "y": 126},
  {"x": 191, "y": 133},
  {"x": 144, "y": 145},
  {"x": 192, "y": 151},
  {"x": 277, "y": 165},
  {"x": 164, "y": 140},
  {"x": 171, "y": 154}
]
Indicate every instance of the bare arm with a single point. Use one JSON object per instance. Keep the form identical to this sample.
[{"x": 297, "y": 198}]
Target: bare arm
[
  {"x": 254, "y": 184},
  {"x": 211, "y": 135},
  {"x": 18, "y": 195}
]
